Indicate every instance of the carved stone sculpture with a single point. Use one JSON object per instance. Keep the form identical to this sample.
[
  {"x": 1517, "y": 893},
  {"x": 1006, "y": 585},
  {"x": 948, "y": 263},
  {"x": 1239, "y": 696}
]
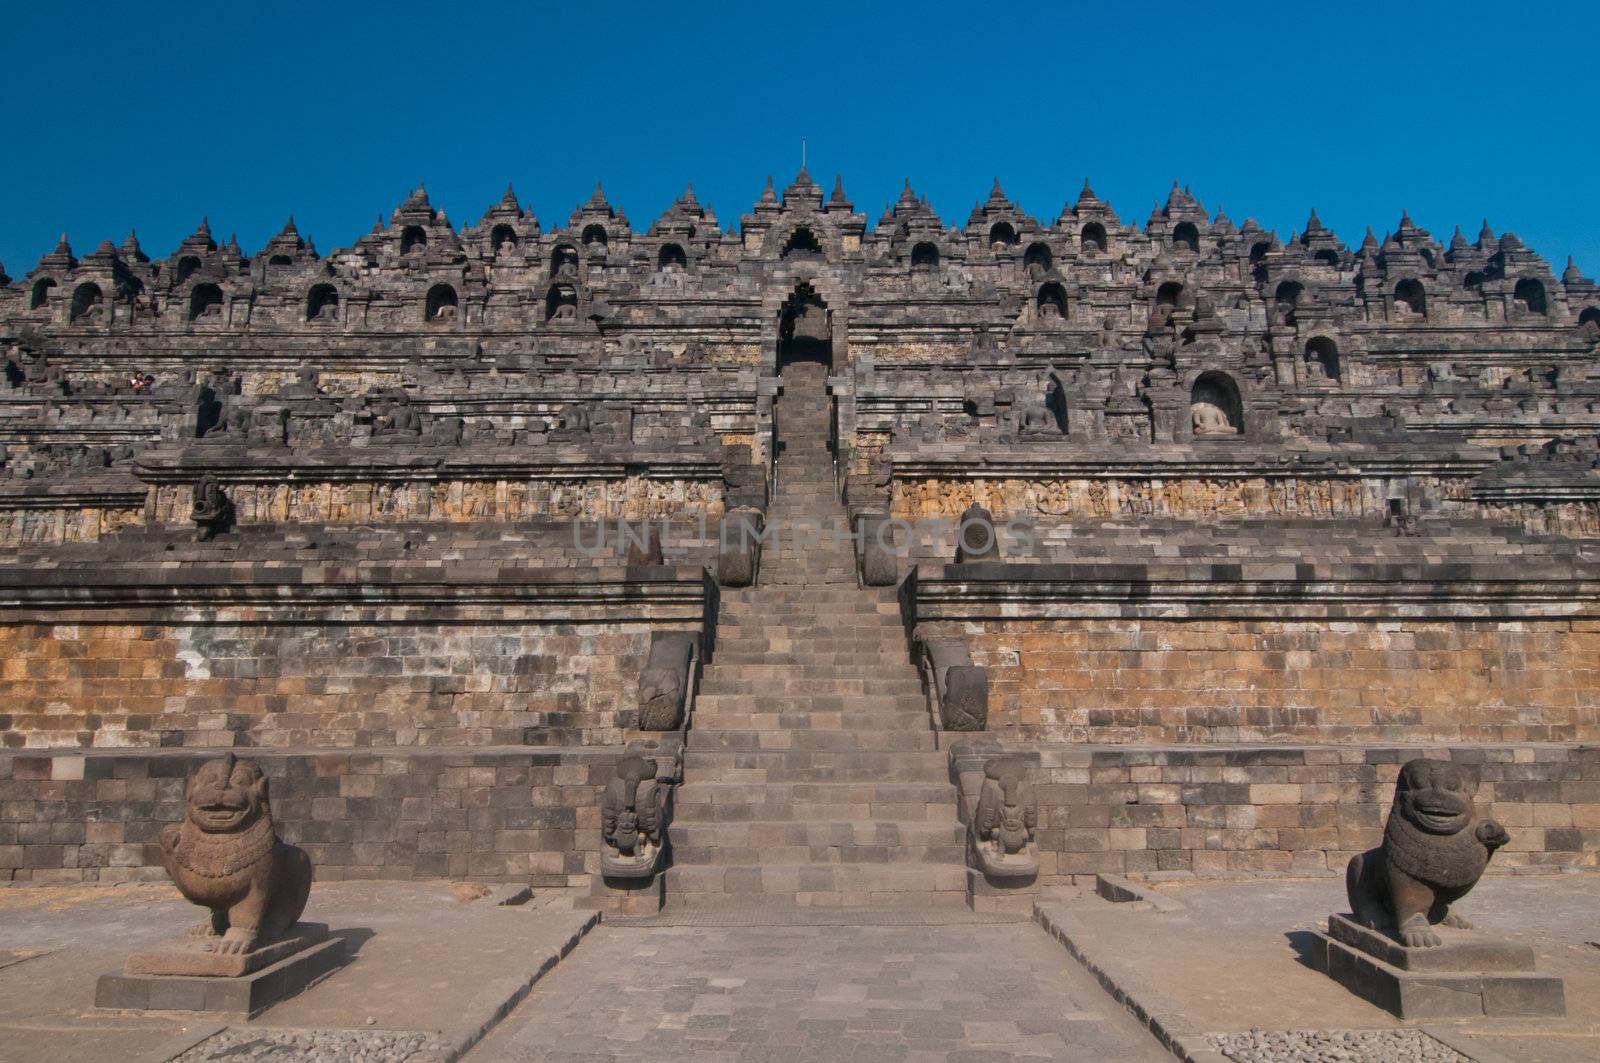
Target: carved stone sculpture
[
  {"x": 1038, "y": 420},
  {"x": 961, "y": 687},
  {"x": 212, "y": 511},
  {"x": 307, "y": 385},
  {"x": 1434, "y": 851},
  {"x": 400, "y": 419},
  {"x": 633, "y": 817},
  {"x": 1210, "y": 419},
  {"x": 739, "y": 547},
  {"x": 226, "y": 856},
  {"x": 976, "y": 539},
  {"x": 664, "y": 683},
  {"x": 574, "y": 424},
  {"x": 744, "y": 481},
  {"x": 1006, "y": 818},
  {"x": 876, "y": 550}
]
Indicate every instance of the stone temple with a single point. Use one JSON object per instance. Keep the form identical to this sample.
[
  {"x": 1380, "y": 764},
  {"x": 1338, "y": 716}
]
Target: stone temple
[{"x": 980, "y": 556}]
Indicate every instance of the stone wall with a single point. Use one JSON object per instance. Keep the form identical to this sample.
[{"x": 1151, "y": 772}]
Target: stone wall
[
  {"x": 452, "y": 501},
  {"x": 486, "y": 814},
  {"x": 1098, "y": 497},
  {"x": 1232, "y": 680},
  {"x": 370, "y": 652},
  {"x": 533, "y": 815},
  {"x": 1292, "y": 809},
  {"x": 334, "y": 685}
]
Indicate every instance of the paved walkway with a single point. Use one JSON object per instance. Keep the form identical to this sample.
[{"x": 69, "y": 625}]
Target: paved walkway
[{"x": 949, "y": 993}]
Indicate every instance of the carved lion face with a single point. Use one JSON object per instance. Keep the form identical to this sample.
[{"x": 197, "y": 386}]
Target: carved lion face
[
  {"x": 1436, "y": 795},
  {"x": 227, "y": 795}
]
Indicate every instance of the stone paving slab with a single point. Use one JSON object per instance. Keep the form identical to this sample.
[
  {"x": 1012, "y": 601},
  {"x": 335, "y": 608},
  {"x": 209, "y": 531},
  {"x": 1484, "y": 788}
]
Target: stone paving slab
[
  {"x": 790, "y": 915},
  {"x": 428, "y": 958},
  {"x": 950, "y": 993},
  {"x": 1234, "y": 958}
]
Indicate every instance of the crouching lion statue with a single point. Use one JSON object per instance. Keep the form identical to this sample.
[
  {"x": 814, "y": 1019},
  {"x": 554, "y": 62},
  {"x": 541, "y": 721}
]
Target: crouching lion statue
[
  {"x": 225, "y": 856},
  {"x": 1433, "y": 853}
]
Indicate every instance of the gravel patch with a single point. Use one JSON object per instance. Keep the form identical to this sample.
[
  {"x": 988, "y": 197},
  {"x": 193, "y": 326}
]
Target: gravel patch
[
  {"x": 1332, "y": 1046},
  {"x": 325, "y": 1046}
]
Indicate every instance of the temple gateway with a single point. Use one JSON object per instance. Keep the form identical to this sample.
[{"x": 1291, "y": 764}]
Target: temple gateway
[{"x": 832, "y": 562}]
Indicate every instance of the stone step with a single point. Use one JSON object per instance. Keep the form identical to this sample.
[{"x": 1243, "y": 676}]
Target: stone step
[
  {"x": 946, "y": 852},
  {"x": 780, "y": 695},
  {"x": 846, "y": 661},
  {"x": 929, "y": 766},
  {"x": 840, "y": 885},
  {"x": 710, "y": 702},
  {"x": 821, "y": 740},
  {"x": 718, "y": 681},
  {"x": 853, "y": 596},
  {"x": 873, "y": 680},
  {"x": 838, "y": 606},
  {"x": 885, "y": 649},
  {"x": 878, "y": 633},
  {"x": 768, "y": 836},
  {"x": 888, "y": 720},
  {"x": 777, "y": 808},
  {"x": 803, "y": 770},
  {"x": 693, "y": 794}
]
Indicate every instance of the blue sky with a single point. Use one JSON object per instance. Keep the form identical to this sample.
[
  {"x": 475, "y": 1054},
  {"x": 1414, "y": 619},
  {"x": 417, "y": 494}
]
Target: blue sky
[{"x": 151, "y": 115}]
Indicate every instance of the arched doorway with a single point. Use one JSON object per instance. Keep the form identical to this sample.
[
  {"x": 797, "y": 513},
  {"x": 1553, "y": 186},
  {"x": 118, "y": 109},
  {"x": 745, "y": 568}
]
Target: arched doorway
[{"x": 805, "y": 329}]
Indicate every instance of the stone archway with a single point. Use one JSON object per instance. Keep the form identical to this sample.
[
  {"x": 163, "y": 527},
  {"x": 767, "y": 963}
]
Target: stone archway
[{"x": 805, "y": 329}]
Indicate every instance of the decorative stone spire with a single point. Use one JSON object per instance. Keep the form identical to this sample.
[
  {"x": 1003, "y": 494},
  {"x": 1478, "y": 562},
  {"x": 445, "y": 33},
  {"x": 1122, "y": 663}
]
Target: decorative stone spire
[
  {"x": 200, "y": 240},
  {"x": 837, "y": 197},
  {"x": 1458, "y": 242},
  {"x": 1178, "y": 199},
  {"x": 598, "y": 201},
  {"x": 131, "y": 249},
  {"x": 687, "y": 200},
  {"x": 769, "y": 194},
  {"x": 509, "y": 200},
  {"x": 908, "y": 198},
  {"x": 1511, "y": 242},
  {"x": 1571, "y": 275},
  {"x": 997, "y": 197},
  {"x": 287, "y": 241},
  {"x": 1486, "y": 238},
  {"x": 103, "y": 257},
  {"x": 1314, "y": 223},
  {"x": 60, "y": 258},
  {"x": 1369, "y": 243}
]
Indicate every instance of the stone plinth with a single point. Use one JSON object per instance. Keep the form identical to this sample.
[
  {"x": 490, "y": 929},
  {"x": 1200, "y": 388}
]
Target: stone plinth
[
  {"x": 238, "y": 996},
  {"x": 626, "y": 896},
  {"x": 1466, "y": 977},
  {"x": 1014, "y": 894},
  {"x": 198, "y": 956}
]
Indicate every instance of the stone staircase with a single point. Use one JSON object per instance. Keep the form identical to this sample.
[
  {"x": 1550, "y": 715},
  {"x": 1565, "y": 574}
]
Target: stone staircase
[{"x": 811, "y": 775}]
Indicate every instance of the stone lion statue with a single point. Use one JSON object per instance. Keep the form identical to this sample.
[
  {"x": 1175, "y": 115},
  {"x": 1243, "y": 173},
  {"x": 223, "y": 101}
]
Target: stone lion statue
[
  {"x": 1433, "y": 853},
  {"x": 225, "y": 856}
]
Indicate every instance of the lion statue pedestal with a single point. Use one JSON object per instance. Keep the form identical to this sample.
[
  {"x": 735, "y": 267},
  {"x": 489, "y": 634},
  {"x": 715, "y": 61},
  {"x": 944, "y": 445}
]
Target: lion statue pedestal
[
  {"x": 1404, "y": 947},
  {"x": 252, "y": 950}
]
